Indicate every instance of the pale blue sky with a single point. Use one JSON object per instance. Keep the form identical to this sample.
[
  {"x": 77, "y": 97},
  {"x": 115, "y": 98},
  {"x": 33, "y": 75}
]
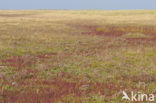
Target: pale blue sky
[{"x": 78, "y": 4}]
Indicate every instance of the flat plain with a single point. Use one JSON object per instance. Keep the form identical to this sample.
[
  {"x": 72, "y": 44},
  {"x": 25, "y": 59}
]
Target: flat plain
[{"x": 87, "y": 56}]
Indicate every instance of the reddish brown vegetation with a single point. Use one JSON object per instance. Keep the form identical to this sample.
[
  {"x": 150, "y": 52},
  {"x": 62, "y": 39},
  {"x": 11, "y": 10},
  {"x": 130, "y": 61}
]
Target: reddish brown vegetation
[
  {"x": 111, "y": 33},
  {"x": 49, "y": 91},
  {"x": 141, "y": 39},
  {"x": 118, "y": 31},
  {"x": 46, "y": 56},
  {"x": 56, "y": 89},
  {"x": 26, "y": 60}
]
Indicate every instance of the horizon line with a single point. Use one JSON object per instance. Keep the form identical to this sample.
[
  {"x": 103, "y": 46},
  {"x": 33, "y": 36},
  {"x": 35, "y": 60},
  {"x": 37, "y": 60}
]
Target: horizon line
[{"x": 80, "y": 9}]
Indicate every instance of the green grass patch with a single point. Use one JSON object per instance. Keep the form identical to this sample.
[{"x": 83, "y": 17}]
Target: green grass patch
[{"x": 136, "y": 35}]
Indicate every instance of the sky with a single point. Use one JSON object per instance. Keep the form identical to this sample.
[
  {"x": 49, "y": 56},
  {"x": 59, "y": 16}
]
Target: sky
[{"x": 78, "y": 4}]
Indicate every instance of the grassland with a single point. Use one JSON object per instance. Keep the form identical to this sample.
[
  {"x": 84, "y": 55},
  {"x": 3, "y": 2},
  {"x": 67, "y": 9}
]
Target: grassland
[{"x": 58, "y": 56}]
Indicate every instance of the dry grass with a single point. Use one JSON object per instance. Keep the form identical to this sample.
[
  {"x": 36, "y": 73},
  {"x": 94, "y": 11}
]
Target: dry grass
[{"x": 50, "y": 56}]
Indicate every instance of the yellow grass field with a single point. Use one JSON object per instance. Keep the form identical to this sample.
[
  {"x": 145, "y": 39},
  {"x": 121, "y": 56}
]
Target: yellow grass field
[{"x": 81, "y": 56}]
